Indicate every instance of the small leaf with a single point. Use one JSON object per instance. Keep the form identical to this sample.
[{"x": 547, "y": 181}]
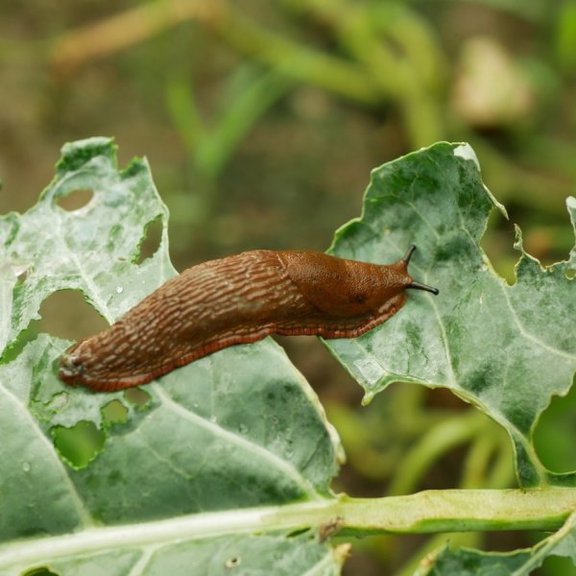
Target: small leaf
[{"x": 465, "y": 562}]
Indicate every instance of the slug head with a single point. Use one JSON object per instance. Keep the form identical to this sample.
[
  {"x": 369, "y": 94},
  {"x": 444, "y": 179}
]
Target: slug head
[{"x": 342, "y": 288}]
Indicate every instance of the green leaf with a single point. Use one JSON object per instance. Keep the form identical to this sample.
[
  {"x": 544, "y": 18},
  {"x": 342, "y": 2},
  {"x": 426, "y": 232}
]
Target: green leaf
[
  {"x": 220, "y": 556},
  {"x": 92, "y": 249},
  {"x": 506, "y": 349},
  {"x": 465, "y": 562},
  {"x": 212, "y": 437}
]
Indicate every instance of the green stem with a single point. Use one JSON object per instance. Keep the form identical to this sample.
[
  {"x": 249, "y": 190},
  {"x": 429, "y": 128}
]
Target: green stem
[
  {"x": 425, "y": 512},
  {"x": 460, "y": 511}
]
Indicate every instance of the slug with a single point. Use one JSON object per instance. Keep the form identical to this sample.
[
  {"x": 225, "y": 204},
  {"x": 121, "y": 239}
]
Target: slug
[{"x": 237, "y": 300}]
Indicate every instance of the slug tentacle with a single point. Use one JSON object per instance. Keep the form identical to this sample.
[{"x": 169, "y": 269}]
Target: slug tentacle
[
  {"x": 237, "y": 300},
  {"x": 415, "y": 285}
]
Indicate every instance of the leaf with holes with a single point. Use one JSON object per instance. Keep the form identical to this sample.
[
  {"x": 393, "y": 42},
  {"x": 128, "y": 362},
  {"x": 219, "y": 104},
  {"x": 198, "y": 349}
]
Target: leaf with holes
[
  {"x": 212, "y": 438},
  {"x": 506, "y": 349},
  {"x": 92, "y": 249}
]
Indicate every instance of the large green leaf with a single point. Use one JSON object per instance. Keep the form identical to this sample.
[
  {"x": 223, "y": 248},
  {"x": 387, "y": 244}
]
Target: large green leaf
[
  {"x": 506, "y": 349},
  {"x": 212, "y": 437}
]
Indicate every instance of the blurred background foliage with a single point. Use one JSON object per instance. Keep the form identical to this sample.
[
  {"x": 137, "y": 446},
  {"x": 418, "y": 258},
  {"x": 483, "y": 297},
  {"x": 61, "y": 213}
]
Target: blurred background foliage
[{"x": 262, "y": 120}]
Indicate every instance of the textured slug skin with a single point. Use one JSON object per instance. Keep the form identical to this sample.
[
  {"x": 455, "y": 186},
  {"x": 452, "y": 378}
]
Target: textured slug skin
[{"x": 234, "y": 300}]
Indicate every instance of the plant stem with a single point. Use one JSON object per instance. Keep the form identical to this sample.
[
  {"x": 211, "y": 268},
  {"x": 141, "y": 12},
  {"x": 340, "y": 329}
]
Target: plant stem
[
  {"x": 424, "y": 512},
  {"x": 435, "y": 511}
]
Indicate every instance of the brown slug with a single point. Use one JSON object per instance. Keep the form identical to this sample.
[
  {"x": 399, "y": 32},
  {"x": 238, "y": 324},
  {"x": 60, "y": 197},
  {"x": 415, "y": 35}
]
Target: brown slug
[{"x": 237, "y": 300}]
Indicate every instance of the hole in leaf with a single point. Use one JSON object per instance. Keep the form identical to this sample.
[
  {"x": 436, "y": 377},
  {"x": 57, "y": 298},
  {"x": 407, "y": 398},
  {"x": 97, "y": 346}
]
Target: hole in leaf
[
  {"x": 137, "y": 396},
  {"x": 150, "y": 241},
  {"x": 17, "y": 346},
  {"x": 233, "y": 562},
  {"x": 22, "y": 275},
  {"x": 80, "y": 444},
  {"x": 558, "y": 565},
  {"x": 76, "y": 199},
  {"x": 115, "y": 412},
  {"x": 498, "y": 242},
  {"x": 555, "y": 432},
  {"x": 41, "y": 571},
  {"x": 541, "y": 241},
  {"x": 66, "y": 314}
]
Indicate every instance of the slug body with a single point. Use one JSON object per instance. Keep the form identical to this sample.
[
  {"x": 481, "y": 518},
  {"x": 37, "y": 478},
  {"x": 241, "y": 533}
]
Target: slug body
[{"x": 237, "y": 300}]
